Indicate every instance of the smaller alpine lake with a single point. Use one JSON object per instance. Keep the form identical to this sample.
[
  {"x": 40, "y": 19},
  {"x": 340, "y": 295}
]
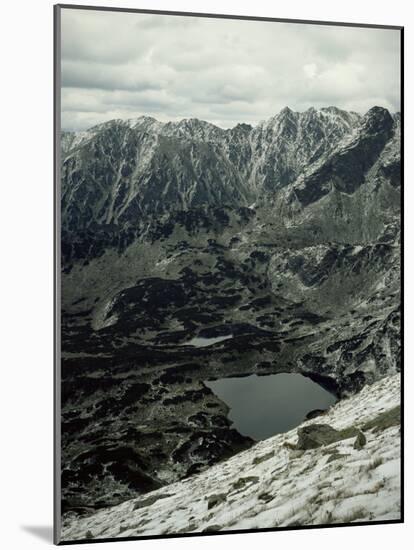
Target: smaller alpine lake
[{"x": 262, "y": 406}]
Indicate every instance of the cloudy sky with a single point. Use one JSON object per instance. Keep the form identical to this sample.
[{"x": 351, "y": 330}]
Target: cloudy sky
[{"x": 123, "y": 65}]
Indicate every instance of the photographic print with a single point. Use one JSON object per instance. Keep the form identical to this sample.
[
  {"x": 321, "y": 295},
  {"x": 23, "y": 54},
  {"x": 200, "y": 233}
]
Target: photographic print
[{"x": 228, "y": 274}]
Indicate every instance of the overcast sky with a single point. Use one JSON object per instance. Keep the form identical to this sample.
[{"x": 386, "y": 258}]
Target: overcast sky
[{"x": 123, "y": 65}]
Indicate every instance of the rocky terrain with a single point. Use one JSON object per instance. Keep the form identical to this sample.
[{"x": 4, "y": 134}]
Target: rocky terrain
[
  {"x": 343, "y": 467},
  {"x": 283, "y": 238}
]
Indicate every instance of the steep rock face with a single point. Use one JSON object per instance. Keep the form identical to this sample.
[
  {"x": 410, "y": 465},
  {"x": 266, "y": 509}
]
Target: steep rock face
[
  {"x": 286, "y": 144},
  {"x": 332, "y": 273},
  {"x": 124, "y": 172},
  {"x": 353, "y": 194},
  {"x": 347, "y": 168}
]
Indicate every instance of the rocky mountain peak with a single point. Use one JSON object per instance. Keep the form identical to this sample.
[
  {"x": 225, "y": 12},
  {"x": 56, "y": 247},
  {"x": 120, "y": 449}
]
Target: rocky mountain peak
[
  {"x": 242, "y": 127},
  {"x": 194, "y": 129},
  {"x": 286, "y": 112},
  {"x": 377, "y": 120}
]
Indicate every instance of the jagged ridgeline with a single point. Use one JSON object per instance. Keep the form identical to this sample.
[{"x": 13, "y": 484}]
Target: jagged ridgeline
[{"x": 283, "y": 237}]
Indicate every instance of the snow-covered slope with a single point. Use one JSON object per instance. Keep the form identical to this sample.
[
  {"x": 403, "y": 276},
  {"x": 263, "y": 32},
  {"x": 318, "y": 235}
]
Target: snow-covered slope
[{"x": 277, "y": 482}]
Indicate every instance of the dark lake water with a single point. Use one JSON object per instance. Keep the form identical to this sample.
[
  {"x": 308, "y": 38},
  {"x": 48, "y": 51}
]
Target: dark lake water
[{"x": 262, "y": 406}]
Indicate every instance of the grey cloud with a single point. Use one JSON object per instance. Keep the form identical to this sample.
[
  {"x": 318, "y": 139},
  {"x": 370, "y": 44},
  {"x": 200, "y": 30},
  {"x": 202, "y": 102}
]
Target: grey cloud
[
  {"x": 122, "y": 65},
  {"x": 114, "y": 77},
  {"x": 154, "y": 21},
  {"x": 155, "y": 100}
]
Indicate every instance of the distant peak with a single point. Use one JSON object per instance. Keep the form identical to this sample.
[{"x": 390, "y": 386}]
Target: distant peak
[
  {"x": 242, "y": 126},
  {"x": 377, "y": 119},
  {"x": 286, "y": 111},
  {"x": 331, "y": 109},
  {"x": 142, "y": 119},
  {"x": 377, "y": 111},
  {"x": 147, "y": 117},
  {"x": 193, "y": 121}
]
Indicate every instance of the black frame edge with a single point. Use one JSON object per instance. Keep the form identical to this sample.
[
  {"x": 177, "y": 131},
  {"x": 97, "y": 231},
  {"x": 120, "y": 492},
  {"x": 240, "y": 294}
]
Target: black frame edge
[
  {"x": 402, "y": 335},
  {"x": 56, "y": 277},
  {"x": 232, "y": 532},
  {"x": 228, "y": 16}
]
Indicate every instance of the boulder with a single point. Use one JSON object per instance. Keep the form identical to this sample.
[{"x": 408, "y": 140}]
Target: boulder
[
  {"x": 360, "y": 441},
  {"x": 316, "y": 435},
  {"x": 314, "y": 413},
  {"x": 214, "y": 500}
]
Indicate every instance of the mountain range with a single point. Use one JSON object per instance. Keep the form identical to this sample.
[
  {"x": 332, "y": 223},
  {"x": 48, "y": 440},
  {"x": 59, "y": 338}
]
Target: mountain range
[{"x": 120, "y": 170}]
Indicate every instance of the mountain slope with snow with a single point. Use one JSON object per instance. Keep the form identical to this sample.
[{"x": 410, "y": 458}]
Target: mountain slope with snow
[{"x": 286, "y": 480}]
